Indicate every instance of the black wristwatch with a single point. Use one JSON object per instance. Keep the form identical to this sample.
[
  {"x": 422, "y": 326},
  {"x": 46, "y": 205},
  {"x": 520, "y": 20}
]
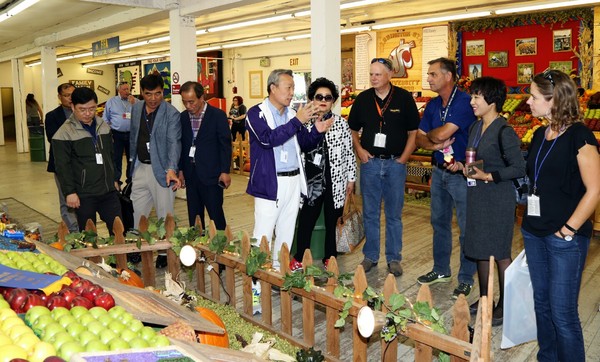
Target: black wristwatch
[
  {"x": 574, "y": 231},
  {"x": 566, "y": 237}
]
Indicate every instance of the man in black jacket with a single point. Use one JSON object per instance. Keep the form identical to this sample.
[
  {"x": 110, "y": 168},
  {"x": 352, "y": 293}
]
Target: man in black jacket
[
  {"x": 55, "y": 119},
  {"x": 205, "y": 155}
]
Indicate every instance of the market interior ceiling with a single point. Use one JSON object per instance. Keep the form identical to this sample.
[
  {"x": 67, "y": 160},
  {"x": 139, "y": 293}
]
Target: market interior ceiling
[{"x": 71, "y": 26}]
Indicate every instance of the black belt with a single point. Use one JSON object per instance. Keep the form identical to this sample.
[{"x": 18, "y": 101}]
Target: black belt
[
  {"x": 289, "y": 173},
  {"x": 386, "y": 157},
  {"x": 145, "y": 162},
  {"x": 120, "y": 132}
]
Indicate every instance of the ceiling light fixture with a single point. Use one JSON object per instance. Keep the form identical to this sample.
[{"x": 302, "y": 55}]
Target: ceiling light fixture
[
  {"x": 297, "y": 36},
  {"x": 439, "y": 19},
  {"x": 243, "y": 24},
  {"x": 252, "y": 42},
  {"x": 17, "y": 9},
  {"x": 545, "y": 6},
  {"x": 356, "y": 29},
  {"x": 133, "y": 59},
  {"x": 356, "y": 4}
]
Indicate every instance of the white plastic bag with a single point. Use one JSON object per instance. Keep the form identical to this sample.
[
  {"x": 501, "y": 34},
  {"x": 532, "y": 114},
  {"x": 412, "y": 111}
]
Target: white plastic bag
[{"x": 519, "y": 313}]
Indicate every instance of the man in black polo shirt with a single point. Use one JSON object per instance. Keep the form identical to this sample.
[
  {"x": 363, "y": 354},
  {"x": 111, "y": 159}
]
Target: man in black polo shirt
[{"x": 389, "y": 120}]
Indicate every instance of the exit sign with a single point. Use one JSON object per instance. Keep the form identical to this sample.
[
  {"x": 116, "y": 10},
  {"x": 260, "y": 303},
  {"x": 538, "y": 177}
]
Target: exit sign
[{"x": 293, "y": 61}]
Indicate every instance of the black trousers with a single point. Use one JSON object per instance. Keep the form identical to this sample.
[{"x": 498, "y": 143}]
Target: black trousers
[
  {"x": 120, "y": 144},
  {"x": 240, "y": 128},
  {"x": 307, "y": 218},
  {"x": 108, "y": 206},
  {"x": 202, "y": 196}
]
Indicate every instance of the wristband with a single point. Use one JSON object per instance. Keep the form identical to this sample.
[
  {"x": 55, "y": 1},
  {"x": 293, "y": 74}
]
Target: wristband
[{"x": 571, "y": 228}]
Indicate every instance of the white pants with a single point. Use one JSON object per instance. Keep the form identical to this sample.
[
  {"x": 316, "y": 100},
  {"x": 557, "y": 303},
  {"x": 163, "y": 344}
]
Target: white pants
[
  {"x": 146, "y": 192},
  {"x": 279, "y": 215}
]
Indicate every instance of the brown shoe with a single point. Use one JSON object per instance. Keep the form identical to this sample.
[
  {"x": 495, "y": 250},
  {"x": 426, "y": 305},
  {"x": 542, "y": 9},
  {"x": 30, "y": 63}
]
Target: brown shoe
[
  {"x": 367, "y": 265},
  {"x": 395, "y": 268}
]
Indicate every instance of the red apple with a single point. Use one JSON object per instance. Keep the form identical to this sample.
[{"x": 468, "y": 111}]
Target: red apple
[
  {"x": 41, "y": 294},
  {"x": 82, "y": 302},
  {"x": 17, "y": 298},
  {"x": 56, "y": 301},
  {"x": 68, "y": 293},
  {"x": 70, "y": 274},
  {"x": 104, "y": 300},
  {"x": 92, "y": 292},
  {"x": 32, "y": 300}
]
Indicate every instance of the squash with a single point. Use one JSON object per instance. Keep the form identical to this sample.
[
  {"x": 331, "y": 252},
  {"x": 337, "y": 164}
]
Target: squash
[
  {"x": 129, "y": 277},
  {"x": 212, "y": 338},
  {"x": 246, "y": 166},
  {"x": 58, "y": 245}
]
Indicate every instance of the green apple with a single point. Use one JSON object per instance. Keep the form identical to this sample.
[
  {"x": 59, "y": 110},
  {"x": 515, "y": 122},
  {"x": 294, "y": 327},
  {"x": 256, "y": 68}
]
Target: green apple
[
  {"x": 77, "y": 311},
  {"x": 116, "y": 311},
  {"x": 61, "y": 338},
  {"x": 105, "y": 319},
  {"x": 6, "y": 313},
  {"x": 147, "y": 333},
  {"x": 139, "y": 342},
  {"x": 126, "y": 318},
  {"x": 18, "y": 330},
  {"x": 70, "y": 348},
  {"x": 59, "y": 312},
  {"x": 86, "y": 319},
  {"x": 27, "y": 341},
  {"x": 128, "y": 334},
  {"x": 74, "y": 329},
  {"x": 41, "y": 323},
  {"x": 66, "y": 319},
  {"x": 96, "y": 345},
  {"x": 95, "y": 327},
  {"x": 51, "y": 330},
  {"x": 34, "y": 313},
  {"x": 116, "y": 326},
  {"x": 135, "y": 325},
  {"x": 85, "y": 337},
  {"x": 118, "y": 344},
  {"x": 11, "y": 322},
  {"x": 97, "y": 311},
  {"x": 12, "y": 351},
  {"x": 160, "y": 341},
  {"x": 41, "y": 351},
  {"x": 107, "y": 335}
]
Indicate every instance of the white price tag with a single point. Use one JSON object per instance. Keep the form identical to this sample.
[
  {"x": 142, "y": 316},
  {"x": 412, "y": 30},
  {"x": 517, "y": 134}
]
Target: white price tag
[{"x": 533, "y": 205}]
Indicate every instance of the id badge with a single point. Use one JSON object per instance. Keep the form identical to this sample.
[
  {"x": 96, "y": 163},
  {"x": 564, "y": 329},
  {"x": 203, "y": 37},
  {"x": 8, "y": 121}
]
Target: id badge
[
  {"x": 317, "y": 159},
  {"x": 192, "y": 151},
  {"x": 471, "y": 182},
  {"x": 99, "y": 159},
  {"x": 379, "y": 140},
  {"x": 533, "y": 205},
  {"x": 283, "y": 156},
  {"x": 148, "y": 146},
  {"x": 127, "y": 115}
]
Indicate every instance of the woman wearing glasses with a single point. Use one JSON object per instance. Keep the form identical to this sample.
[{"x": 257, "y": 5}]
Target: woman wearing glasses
[
  {"x": 564, "y": 169},
  {"x": 490, "y": 183},
  {"x": 330, "y": 173}
]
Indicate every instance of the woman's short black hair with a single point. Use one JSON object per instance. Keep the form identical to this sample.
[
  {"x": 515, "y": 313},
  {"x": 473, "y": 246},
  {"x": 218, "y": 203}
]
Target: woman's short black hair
[
  {"x": 492, "y": 89},
  {"x": 322, "y": 82}
]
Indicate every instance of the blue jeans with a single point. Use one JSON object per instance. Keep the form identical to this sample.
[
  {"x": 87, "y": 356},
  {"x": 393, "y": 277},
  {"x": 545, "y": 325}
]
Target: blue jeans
[
  {"x": 449, "y": 191},
  {"x": 383, "y": 180},
  {"x": 555, "y": 267}
]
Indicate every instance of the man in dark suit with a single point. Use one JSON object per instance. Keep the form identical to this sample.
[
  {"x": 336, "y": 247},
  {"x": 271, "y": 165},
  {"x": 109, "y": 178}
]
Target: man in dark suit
[
  {"x": 205, "y": 155},
  {"x": 55, "y": 119}
]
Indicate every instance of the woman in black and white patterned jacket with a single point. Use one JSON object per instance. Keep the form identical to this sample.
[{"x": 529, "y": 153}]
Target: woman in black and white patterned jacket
[{"x": 330, "y": 173}]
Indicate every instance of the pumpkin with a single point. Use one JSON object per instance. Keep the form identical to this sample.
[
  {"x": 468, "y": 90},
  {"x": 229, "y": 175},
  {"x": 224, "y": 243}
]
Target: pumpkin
[
  {"x": 58, "y": 245},
  {"x": 247, "y": 166},
  {"x": 129, "y": 277},
  {"x": 219, "y": 340}
]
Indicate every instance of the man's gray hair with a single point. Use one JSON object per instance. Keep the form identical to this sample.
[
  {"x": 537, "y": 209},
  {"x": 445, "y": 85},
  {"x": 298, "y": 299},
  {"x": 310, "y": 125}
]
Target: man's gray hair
[{"x": 274, "y": 77}]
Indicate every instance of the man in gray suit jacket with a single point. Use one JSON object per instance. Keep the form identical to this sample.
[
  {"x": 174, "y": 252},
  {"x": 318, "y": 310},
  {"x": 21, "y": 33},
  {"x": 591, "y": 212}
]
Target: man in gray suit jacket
[{"x": 155, "y": 146}]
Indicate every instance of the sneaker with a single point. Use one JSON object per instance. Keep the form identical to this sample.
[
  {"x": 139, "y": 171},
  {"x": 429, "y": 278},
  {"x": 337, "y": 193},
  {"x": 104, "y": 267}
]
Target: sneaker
[
  {"x": 395, "y": 268},
  {"x": 367, "y": 265},
  {"x": 433, "y": 277},
  {"x": 497, "y": 316},
  {"x": 463, "y": 288},
  {"x": 473, "y": 308},
  {"x": 295, "y": 265}
]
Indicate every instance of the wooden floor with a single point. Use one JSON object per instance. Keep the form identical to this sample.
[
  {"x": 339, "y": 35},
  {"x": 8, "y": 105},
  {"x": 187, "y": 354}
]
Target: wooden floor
[{"x": 30, "y": 184}]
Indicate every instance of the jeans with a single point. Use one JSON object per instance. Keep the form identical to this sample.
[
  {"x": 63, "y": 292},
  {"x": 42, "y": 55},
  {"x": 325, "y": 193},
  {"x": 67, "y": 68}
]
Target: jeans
[
  {"x": 448, "y": 191},
  {"x": 383, "y": 180},
  {"x": 555, "y": 267}
]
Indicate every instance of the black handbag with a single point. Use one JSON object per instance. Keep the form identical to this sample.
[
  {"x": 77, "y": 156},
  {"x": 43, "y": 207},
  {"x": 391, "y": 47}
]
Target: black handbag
[{"x": 521, "y": 184}]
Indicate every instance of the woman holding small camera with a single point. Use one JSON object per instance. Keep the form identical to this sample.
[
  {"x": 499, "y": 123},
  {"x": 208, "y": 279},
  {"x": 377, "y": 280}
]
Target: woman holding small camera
[
  {"x": 237, "y": 115},
  {"x": 564, "y": 168},
  {"x": 490, "y": 193}
]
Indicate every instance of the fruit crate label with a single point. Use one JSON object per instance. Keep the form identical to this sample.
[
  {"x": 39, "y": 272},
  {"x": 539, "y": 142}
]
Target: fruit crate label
[{"x": 15, "y": 278}]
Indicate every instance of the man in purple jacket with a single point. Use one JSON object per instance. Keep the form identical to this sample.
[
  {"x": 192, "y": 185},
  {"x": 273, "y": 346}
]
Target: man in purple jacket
[{"x": 277, "y": 179}]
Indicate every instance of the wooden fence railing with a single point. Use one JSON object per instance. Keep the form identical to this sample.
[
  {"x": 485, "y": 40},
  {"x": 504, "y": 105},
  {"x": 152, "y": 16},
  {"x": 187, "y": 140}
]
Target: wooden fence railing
[{"x": 426, "y": 340}]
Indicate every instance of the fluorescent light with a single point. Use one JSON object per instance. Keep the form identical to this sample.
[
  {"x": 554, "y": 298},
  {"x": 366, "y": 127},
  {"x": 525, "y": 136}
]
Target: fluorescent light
[
  {"x": 545, "y": 6},
  {"x": 360, "y": 3},
  {"x": 201, "y": 31},
  {"x": 433, "y": 20},
  {"x": 298, "y": 36},
  {"x": 253, "y": 42},
  {"x": 356, "y": 29},
  {"x": 17, "y": 9},
  {"x": 133, "y": 45},
  {"x": 34, "y": 64},
  {"x": 301, "y": 14},
  {"x": 208, "y": 49},
  {"x": 132, "y": 59},
  {"x": 250, "y": 23},
  {"x": 159, "y": 39}
]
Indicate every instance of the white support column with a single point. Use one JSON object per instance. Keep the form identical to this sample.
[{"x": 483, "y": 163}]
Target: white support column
[
  {"x": 22, "y": 132},
  {"x": 183, "y": 52},
  {"x": 325, "y": 45},
  {"x": 49, "y": 84}
]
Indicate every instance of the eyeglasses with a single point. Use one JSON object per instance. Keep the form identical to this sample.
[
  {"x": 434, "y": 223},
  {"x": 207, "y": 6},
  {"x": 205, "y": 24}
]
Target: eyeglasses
[
  {"x": 324, "y": 97},
  {"x": 548, "y": 76},
  {"x": 384, "y": 61}
]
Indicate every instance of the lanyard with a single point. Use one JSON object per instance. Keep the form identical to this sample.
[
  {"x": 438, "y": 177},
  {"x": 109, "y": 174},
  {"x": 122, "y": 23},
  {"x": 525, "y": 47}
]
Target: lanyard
[
  {"x": 476, "y": 139},
  {"x": 93, "y": 132},
  {"x": 444, "y": 113},
  {"x": 126, "y": 105},
  {"x": 385, "y": 106},
  {"x": 536, "y": 169},
  {"x": 149, "y": 120}
]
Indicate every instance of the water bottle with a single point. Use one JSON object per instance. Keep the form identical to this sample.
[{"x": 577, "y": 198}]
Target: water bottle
[{"x": 470, "y": 155}]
